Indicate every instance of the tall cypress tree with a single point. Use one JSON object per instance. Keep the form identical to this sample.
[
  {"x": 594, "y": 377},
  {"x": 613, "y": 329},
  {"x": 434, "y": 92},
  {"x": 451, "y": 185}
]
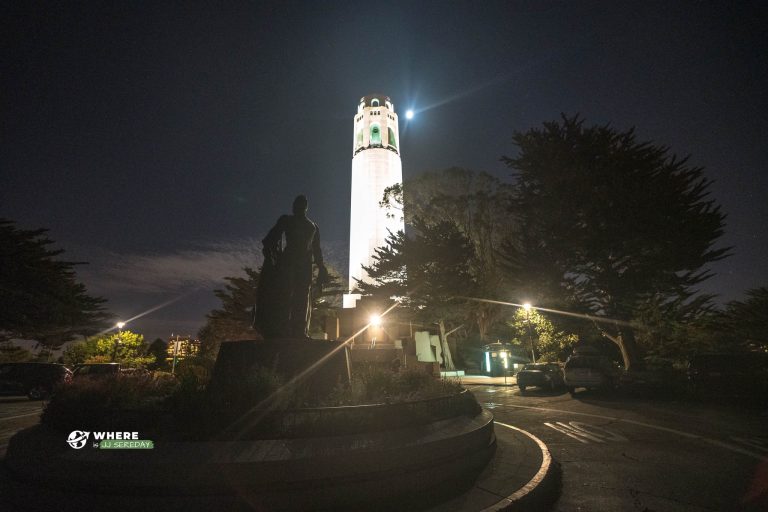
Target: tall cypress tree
[
  {"x": 608, "y": 223},
  {"x": 40, "y": 297}
]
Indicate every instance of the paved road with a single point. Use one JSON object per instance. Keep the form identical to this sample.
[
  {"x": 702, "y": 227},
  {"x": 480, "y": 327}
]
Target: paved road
[
  {"x": 639, "y": 455},
  {"x": 17, "y": 413}
]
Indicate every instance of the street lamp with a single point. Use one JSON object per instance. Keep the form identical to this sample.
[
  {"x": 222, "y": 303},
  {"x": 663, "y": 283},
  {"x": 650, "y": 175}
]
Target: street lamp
[
  {"x": 119, "y": 326},
  {"x": 527, "y": 308}
]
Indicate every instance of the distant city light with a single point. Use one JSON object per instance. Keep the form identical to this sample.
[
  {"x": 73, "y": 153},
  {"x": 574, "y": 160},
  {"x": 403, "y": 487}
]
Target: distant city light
[{"x": 409, "y": 114}]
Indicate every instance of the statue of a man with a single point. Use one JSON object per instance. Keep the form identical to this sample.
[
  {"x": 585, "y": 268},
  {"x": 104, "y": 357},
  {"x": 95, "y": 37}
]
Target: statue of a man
[{"x": 292, "y": 267}]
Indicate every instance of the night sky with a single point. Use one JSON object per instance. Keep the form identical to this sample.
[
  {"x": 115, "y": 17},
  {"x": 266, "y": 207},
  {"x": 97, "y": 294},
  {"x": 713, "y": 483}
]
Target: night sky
[{"x": 159, "y": 141}]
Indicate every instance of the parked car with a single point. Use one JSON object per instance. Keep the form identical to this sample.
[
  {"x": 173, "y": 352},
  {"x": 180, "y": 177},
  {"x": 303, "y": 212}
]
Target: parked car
[
  {"x": 590, "y": 371},
  {"x": 658, "y": 377},
  {"x": 35, "y": 380},
  {"x": 97, "y": 370},
  {"x": 543, "y": 375},
  {"x": 741, "y": 375}
]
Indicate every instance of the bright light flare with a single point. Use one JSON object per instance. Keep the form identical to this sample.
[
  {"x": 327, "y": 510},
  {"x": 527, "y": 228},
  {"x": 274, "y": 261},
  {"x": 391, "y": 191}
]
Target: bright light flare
[
  {"x": 527, "y": 306},
  {"x": 375, "y": 320},
  {"x": 409, "y": 114},
  {"x": 257, "y": 413},
  {"x": 597, "y": 319},
  {"x": 144, "y": 313}
]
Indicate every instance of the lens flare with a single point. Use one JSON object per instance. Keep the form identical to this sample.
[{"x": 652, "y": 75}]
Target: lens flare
[{"x": 526, "y": 306}]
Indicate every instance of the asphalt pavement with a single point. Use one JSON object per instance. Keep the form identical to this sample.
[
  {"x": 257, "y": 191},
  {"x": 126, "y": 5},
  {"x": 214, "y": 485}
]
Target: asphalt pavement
[
  {"x": 624, "y": 454},
  {"x": 17, "y": 413}
]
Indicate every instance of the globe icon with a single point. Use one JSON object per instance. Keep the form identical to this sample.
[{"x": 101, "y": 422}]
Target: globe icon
[{"x": 77, "y": 439}]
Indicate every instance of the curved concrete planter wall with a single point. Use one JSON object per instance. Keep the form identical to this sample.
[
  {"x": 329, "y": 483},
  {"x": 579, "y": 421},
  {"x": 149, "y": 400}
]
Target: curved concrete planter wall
[{"x": 398, "y": 467}]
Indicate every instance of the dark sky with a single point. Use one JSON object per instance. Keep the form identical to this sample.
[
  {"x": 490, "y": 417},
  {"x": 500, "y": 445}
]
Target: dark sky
[{"x": 160, "y": 140}]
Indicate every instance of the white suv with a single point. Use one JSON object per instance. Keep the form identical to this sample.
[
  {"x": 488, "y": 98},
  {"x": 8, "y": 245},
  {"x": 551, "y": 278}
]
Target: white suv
[{"x": 590, "y": 372}]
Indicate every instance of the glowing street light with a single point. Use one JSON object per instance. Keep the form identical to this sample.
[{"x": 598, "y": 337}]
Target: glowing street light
[
  {"x": 409, "y": 114},
  {"x": 375, "y": 320}
]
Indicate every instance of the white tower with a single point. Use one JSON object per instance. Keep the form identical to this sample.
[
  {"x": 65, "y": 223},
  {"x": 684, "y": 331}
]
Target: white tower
[{"x": 375, "y": 166}]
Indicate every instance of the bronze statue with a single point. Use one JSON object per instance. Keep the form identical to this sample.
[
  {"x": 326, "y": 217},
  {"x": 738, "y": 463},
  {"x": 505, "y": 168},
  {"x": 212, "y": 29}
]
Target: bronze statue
[{"x": 291, "y": 247}]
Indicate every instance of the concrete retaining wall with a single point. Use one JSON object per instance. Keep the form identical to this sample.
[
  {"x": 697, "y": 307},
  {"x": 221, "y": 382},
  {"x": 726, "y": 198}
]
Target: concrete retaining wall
[{"x": 402, "y": 468}]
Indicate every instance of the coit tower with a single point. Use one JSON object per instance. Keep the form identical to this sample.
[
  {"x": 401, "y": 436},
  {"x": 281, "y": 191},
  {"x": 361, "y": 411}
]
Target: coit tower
[{"x": 375, "y": 166}]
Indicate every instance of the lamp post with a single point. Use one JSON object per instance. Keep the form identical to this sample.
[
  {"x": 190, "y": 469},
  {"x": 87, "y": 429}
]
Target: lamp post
[
  {"x": 527, "y": 308},
  {"x": 119, "y": 326}
]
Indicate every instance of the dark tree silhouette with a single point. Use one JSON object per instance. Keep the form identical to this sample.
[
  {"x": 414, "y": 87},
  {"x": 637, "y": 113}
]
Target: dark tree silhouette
[
  {"x": 745, "y": 321},
  {"x": 608, "y": 223},
  {"x": 477, "y": 204},
  {"x": 234, "y": 319},
  {"x": 158, "y": 349},
  {"x": 429, "y": 271},
  {"x": 40, "y": 297}
]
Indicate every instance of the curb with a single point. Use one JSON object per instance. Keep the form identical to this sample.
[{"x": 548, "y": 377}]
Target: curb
[
  {"x": 542, "y": 489},
  {"x": 522, "y": 476},
  {"x": 490, "y": 384}
]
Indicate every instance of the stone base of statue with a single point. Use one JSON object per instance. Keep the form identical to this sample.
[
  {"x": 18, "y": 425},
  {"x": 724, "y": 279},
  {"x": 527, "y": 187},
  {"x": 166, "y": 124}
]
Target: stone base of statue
[{"x": 320, "y": 365}]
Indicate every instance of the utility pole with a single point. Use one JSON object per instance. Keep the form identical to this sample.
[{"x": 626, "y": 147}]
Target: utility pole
[
  {"x": 118, "y": 340},
  {"x": 175, "y": 354},
  {"x": 527, "y": 307}
]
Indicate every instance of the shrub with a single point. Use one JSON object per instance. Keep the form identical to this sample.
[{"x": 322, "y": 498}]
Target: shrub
[
  {"x": 197, "y": 368},
  {"x": 372, "y": 385},
  {"x": 198, "y": 412},
  {"x": 112, "y": 403},
  {"x": 161, "y": 405}
]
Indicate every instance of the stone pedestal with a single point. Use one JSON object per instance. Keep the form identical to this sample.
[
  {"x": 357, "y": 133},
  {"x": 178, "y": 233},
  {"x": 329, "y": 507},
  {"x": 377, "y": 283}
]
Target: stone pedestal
[{"x": 323, "y": 364}]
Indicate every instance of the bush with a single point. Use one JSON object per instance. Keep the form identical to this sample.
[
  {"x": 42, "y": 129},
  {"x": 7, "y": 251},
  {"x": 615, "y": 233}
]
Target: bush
[
  {"x": 374, "y": 385},
  {"x": 197, "y": 368},
  {"x": 198, "y": 412},
  {"x": 112, "y": 403},
  {"x": 160, "y": 405}
]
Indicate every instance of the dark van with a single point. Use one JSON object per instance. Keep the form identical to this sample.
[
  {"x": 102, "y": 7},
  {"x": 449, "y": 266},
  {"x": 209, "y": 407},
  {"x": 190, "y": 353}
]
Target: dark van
[
  {"x": 35, "y": 380},
  {"x": 97, "y": 370}
]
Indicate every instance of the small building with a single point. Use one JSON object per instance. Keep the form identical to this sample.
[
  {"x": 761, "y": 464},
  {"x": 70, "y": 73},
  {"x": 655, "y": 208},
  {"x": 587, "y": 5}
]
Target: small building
[
  {"x": 181, "y": 347},
  {"x": 382, "y": 338},
  {"x": 499, "y": 358}
]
